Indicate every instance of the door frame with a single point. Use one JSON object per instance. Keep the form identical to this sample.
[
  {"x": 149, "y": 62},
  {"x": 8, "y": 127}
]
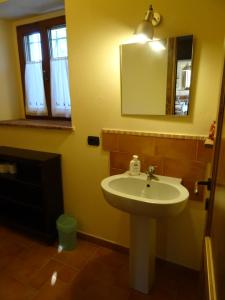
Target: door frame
[
  {"x": 208, "y": 274},
  {"x": 216, "y": 154},
  {"x": 208, "y": 269}
]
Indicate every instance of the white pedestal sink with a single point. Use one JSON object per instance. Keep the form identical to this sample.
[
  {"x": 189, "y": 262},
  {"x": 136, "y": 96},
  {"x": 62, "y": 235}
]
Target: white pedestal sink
[{"x": 163, "y": 198}]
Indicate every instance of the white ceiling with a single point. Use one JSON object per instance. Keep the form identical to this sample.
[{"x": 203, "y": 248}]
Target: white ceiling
[{"x": 15, "y": 9}]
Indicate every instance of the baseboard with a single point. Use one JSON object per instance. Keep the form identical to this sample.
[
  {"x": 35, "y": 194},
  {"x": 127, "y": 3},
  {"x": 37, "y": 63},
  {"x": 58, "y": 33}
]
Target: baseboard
[
  {"x": 174, "y": 262},
  {"x": 102, "y": 242},
  {"x": 111, "y": 245}
]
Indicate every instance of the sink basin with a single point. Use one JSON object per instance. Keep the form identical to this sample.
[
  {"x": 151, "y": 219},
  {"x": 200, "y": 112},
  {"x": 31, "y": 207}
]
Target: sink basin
[
  {"x": 163, "y": 198},
  {"x": 145, "y": 201}
]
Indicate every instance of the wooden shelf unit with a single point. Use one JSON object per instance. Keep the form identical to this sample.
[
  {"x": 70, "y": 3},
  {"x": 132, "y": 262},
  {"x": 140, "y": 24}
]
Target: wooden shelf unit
[{"x": 32, "y": 198}]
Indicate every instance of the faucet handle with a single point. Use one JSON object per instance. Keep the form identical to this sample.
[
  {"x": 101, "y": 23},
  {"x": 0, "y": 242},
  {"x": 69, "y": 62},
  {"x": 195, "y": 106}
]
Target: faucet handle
[{"x": 151, "y": 169}]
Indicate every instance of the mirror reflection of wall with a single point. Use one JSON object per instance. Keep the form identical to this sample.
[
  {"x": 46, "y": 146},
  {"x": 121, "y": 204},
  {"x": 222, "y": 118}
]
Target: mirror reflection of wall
[{"x": 157, "y": 81}]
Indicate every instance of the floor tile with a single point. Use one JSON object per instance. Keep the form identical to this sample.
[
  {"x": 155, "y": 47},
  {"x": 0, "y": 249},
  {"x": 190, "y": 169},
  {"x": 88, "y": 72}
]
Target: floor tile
[
  {"x": 17, "y": 236},
  {"x": 67, "y": 274},
  {"x": 11, "y": 289},
  {"x": 100, "y": 291},
  {"x": 80, "y": 256},
  {"x": 188, "y": 286},
  {"x": 28, "y": 262},
  {"x": 52, "y": 292},
  {"x": 45, "y": 274},
  {"x": 9, "y": 249},
  {"x": 31, "y": 270}
]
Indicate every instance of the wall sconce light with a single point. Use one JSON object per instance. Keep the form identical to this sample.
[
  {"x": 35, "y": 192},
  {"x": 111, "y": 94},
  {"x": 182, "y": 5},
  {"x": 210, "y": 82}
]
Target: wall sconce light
[
  {"x": 146, "y": 27},
  {"x": 158, "y": 45}
]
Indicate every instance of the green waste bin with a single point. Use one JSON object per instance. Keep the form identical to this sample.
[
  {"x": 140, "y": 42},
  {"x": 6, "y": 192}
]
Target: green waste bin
[{"x": 67, "y": 226}]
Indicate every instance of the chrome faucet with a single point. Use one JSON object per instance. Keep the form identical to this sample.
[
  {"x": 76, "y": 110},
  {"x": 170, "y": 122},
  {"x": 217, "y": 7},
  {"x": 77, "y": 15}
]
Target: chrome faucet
[{"x": 150, "y": 175}]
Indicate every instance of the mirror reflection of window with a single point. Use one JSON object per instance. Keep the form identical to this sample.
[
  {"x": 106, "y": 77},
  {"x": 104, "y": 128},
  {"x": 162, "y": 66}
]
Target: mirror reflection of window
[
  {"x": 183, "y": 74},
  {"x": 183, "y": 83},
  {"x": 186, "y": 75}
]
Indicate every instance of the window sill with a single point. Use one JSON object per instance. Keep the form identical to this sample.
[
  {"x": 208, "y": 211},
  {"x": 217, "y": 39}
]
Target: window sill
[{"x": 45, "y": 124}]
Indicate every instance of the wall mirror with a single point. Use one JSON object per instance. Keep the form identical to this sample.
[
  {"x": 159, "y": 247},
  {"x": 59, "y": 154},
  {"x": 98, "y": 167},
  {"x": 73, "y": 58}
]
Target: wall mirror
[{"x": 156, "y": 77}]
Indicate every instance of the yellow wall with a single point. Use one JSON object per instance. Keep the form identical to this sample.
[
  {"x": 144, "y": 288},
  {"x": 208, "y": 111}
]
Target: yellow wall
[
  {"x": 9, "y": 103},
  {"x": 95, "y": 30}
]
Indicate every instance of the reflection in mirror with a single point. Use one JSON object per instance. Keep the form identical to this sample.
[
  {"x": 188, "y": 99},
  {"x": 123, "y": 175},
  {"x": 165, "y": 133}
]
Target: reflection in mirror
[{"x": 156, "y": 77}]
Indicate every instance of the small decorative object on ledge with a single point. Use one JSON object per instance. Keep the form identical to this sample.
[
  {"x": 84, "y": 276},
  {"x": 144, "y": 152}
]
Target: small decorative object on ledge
[{"x": 212, "y": 133}]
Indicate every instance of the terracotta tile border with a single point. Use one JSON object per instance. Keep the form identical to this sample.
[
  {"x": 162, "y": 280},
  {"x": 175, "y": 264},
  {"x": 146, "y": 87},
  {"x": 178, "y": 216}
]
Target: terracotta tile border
[
  {"x": 155, "y": 134},
  {"x": 184, "y": 156}
]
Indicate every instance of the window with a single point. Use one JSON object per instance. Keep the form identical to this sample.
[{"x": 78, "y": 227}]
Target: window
[{"x": 44, "y": 69}]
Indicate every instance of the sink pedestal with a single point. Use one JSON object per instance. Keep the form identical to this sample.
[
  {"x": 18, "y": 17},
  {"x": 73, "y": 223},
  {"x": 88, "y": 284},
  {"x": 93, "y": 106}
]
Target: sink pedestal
[{"x": 142, "y": 252}]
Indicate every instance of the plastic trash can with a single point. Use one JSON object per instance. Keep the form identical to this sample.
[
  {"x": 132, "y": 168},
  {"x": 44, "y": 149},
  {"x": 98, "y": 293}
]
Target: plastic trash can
[{"x": 67, "y": 227}]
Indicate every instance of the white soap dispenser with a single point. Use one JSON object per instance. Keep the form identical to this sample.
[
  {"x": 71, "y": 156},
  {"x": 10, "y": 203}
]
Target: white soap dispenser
[{"x": 135, "y": 166}]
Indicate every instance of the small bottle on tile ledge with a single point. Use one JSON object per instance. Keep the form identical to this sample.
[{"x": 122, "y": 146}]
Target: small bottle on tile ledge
[
  {"x": 212, "y": 131},
  {"x": 209, "y": 142},
  {"x": 135, "y": 166}
]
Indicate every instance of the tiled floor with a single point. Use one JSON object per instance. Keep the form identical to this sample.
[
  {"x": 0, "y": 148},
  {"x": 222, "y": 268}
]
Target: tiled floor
[{"x": 34, "y": 271}]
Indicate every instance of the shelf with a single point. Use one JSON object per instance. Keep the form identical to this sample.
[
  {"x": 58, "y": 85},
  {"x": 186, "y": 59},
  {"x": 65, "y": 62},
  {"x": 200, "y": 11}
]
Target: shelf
[
  {"x": 14, "y": 178},
  {"x": 26, "y": 224},
  {"x": 31, "y": 199},
  {"x": 5, "y": 199}
]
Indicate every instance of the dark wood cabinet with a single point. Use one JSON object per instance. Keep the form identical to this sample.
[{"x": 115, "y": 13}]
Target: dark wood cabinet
[{"x": 31, "y": 191}]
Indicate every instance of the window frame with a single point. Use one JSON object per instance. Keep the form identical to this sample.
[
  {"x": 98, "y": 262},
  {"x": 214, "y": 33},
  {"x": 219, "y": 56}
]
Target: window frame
[{"x": 43, "y": 28}]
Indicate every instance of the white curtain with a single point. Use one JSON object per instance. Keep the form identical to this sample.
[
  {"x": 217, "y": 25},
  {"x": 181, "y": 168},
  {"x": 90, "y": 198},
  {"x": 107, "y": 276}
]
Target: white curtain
[
  {"x": 60, "y": 94},
  {"x": 187, "y": 79},
  {"x": 34, "y": 85}
]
